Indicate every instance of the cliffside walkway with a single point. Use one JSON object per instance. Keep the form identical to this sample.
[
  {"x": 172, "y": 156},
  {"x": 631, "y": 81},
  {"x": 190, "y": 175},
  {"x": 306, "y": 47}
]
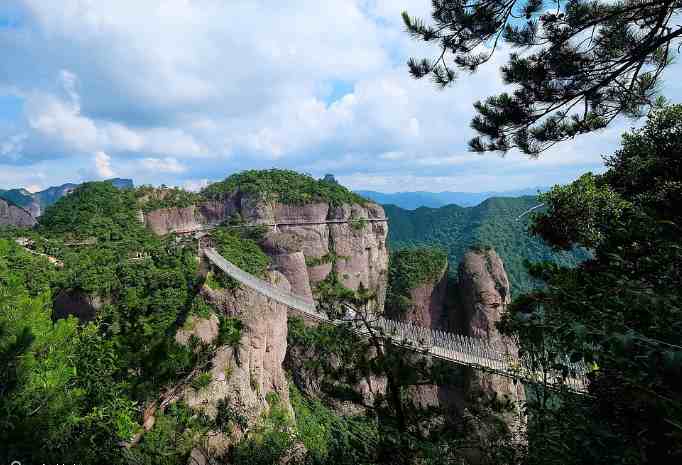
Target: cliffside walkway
[
  {"x": 286, "y": 222},
  {"x": 477, "y": 353}
]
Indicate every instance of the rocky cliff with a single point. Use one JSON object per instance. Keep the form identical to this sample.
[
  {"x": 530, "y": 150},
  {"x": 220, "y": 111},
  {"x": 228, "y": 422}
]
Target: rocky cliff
[
  {"x": 309, "y": 242},
  {"x": 484, "y": 294},
  {"x": 246, "y": 374},
  {"x": 11, "y": 215}
]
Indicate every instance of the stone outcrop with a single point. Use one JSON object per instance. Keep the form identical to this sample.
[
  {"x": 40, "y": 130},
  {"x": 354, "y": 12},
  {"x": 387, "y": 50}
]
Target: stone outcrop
[
  {"x": 243, "y": 375},
  {"x": 429, "y": 303},
  {"x": 330, "y": 238},
  {"x": 192, "y": 218},
  {"x": 80, "y": 304},
  {"x": 484, "y": 293},
  {"x": 11, "y": 215}
]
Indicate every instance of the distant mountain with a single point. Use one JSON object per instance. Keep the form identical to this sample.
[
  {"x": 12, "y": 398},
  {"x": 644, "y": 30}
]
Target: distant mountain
[
  {"x": 413, "y": 200},
  {"x": 37, "y": 202},
  {"x": 493, "y": 223}
]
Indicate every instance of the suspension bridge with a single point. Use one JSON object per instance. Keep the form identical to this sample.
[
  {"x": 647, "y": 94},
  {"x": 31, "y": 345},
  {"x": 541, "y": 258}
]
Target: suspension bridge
[{"x": 476, "y": 353}]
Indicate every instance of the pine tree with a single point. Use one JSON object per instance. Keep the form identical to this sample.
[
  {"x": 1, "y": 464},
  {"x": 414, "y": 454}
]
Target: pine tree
[{"x": 580, "y": 63}]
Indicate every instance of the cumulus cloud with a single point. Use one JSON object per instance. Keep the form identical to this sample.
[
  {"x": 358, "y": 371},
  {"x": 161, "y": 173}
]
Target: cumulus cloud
[
  {"x": 176, "y": 91},
  {"x": 163, "y": 165},
  {"x": 103, "y": 165}
]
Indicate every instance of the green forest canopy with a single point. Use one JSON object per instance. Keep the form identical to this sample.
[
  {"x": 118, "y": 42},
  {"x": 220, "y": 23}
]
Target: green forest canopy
[
  {"x": 286, "y": 186},
  {"x": 494, "y": 223}
]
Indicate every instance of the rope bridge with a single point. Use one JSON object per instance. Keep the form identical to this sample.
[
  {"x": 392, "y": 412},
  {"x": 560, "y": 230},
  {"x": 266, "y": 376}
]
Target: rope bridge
[{"x": 476, "y": 353}]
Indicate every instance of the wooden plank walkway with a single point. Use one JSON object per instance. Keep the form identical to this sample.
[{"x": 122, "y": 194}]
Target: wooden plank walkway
[{"x": 477, "y": 353}]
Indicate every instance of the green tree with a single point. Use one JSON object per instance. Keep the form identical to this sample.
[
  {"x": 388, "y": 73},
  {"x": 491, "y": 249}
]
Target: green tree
[
  {"x": 584, "y": 62},
  {"x": 620, "y": 311}
]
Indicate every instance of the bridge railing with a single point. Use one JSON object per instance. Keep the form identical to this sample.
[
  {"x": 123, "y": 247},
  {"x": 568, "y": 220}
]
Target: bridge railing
[{"x": 500, "y": 358}]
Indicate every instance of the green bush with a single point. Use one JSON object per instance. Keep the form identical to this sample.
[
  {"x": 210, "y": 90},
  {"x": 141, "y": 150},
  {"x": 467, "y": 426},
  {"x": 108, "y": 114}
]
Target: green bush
[
  {"x": 202, "y": 381},
  {"x": 230, "y": 331},
  {"x": 409, "y": 269},
  {"x": 151, "y": 198}
]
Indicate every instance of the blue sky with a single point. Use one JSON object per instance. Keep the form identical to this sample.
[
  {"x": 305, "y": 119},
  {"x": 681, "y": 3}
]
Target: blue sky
[{"x": 184, "y": 92}]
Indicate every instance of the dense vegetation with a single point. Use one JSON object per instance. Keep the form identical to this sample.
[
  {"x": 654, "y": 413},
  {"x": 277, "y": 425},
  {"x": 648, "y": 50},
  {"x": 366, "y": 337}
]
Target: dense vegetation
[
  {"x": 43, "y": 199},
  {"x": 73, "y": 397},
  {"x": 286, "y": 186},
  {"x": 240, "y": 247},
  {"x": 152, "y": 198},
  {"x": 409, "y": 269},
  {"x": 620, "y": 311},
  {"x": 494, "y": 223}
]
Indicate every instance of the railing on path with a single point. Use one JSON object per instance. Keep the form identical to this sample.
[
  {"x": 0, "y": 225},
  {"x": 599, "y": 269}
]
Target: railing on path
[
  {"x": 477, "y": 353},
  {"x": 285, "y": 222}
]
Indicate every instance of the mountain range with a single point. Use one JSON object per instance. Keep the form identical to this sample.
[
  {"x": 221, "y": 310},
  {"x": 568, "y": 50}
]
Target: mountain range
[
  {"x": 36, "y": 202},
  {"x": 494, "y": 223},
  {"x": 413, "y": 200}
]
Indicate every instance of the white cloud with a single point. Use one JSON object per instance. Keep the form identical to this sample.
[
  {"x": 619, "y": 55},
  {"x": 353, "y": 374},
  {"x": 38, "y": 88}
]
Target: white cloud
[
  {"x": 195, "y": 185},
  {"x": 103, "y": 165},
  {"x": 175, "y": 91},
  {"x": 163, "y": 165}
]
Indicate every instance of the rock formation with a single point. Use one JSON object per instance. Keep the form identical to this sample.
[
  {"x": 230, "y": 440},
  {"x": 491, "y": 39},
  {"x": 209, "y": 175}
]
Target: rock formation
[
  {"x": 243, "y": 375},
  {"x": 337, "y": 239},
  {"x": 11, "y": 215},
  {"x": 429, "y": 303},
  {"x": 484, "y": 294}
]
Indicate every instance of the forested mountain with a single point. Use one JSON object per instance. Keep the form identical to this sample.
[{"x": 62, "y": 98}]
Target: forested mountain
[
  {"x": 413, "y": 200},
  {"x": 37, "y": 202},
  {"x": 494, "y": 223}
]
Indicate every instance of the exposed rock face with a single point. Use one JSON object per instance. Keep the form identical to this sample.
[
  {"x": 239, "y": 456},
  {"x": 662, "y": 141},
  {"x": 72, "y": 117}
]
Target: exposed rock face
[
  {"x": 484, "y": 296},
  {"x": 77, "y": 303},
  {"x": 331, "y": 238},
  {"x": 484, "y": 293},
  {"x": 195, "y": 217},
  {"x": 429, "y": 303},
  {"x": 245, "y": 374},
  {"x": 11, "y": 215}
]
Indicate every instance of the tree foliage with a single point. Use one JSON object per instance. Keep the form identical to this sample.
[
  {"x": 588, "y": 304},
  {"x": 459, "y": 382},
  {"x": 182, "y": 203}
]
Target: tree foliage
[
  {"x": 285, "y": 186},
  {"x": 409, "y": 269},
  {"x": 581, "y": 63},
  {"x": 621, "y": 311},
  {"x": 495, "y": 223}
]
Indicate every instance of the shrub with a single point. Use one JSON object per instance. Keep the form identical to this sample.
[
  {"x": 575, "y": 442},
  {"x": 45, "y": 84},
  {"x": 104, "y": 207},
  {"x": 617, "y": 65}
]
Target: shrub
[
  {"x": 202, "y": 381},
  {"x": 411, "y": 268}
]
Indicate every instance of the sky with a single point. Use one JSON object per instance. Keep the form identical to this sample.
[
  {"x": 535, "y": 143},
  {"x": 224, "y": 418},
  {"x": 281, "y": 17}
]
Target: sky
[{"x": 186, "y": 92}]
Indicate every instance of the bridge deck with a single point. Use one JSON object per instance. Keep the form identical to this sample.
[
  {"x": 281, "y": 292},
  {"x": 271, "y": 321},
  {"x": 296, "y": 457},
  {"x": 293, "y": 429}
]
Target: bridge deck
[{"x": 463, "y": 350}]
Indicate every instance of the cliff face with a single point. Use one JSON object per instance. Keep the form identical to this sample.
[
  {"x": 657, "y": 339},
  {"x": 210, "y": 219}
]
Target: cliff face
[
  {"x": 484, "y": 294},
  {"x": 242, "y": 375},
  {"x": 337, "y": 239},
  {"x": 11, "y": 215},
  {"x": 429, "y": 306}
]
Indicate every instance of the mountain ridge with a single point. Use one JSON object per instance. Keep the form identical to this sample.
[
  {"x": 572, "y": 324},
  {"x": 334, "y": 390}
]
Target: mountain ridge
[
  {"x": 494, "y": 223},
  {"x": 36, "y": 202},
  {"x": 412, "y": 200}
]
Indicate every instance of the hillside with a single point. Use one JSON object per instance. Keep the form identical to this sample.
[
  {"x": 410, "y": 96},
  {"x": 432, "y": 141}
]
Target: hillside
[
  {"x": 37, "y": 202},
  {"x": 493, "y": 223},
  {"x": 414, "y": 200}
]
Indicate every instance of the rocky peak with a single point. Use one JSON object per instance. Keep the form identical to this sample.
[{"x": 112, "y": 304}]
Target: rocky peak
[
  {"x": 11, "y": 215},
  {"x": 484, "y": 293}
]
